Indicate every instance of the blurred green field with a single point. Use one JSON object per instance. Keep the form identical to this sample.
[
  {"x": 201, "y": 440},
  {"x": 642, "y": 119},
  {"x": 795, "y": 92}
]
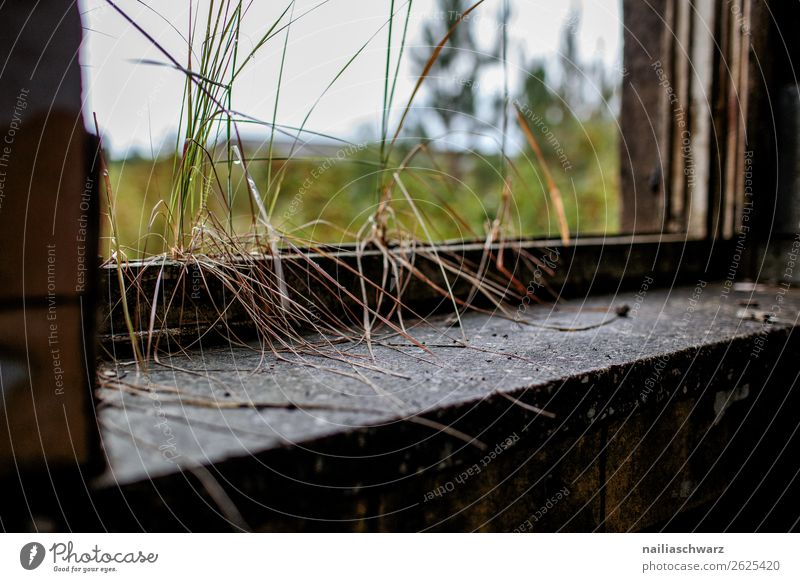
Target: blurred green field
[{"x": 329, "y": 197}]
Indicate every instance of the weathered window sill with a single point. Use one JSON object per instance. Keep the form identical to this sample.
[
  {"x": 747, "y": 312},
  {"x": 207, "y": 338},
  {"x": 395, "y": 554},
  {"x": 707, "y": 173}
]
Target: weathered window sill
[{"x": 642, "y": 421}]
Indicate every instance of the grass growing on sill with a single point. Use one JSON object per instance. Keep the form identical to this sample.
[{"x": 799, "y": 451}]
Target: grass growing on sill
[{"x": 221, "y": 207}]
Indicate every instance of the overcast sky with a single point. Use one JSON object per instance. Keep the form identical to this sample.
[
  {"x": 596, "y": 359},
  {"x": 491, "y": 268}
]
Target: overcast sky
[{"x": 138, "y": 103}]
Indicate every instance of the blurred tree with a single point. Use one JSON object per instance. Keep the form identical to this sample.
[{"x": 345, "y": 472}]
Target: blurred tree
[
  {"x": 535, "y": 92},
  {"x": 573, "y": 80},
  {"x": 452, "y": 90},
  {"x": 569, "y": 88}
]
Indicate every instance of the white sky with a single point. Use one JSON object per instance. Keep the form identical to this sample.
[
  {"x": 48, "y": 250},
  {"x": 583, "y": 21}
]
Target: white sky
[{"x": 137, "y": 104}]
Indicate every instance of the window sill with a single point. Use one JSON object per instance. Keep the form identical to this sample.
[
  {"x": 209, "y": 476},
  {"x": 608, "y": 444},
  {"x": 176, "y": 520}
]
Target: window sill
[{"x": 637, "y": 413}]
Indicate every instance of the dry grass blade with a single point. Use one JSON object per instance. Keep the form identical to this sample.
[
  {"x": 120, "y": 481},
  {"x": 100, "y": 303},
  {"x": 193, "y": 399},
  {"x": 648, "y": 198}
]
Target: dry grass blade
[
  {"x": 448, "y": 430},
  {"x": 218, "y": 494},
  {"x": 421, "y": 222},
  {"x": 555, "y": 193},
  {"x": 528, "y": 407},
  {"x": 120, "y": 277},
  {"x": 427, "y": 69}
]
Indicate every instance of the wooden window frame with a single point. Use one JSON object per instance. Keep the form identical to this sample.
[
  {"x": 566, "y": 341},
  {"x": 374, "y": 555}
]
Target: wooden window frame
[{"x": 685, "y": 114}]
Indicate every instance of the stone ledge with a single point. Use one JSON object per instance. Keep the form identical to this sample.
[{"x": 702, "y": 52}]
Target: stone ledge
[{"x": 639, "y": 413}]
